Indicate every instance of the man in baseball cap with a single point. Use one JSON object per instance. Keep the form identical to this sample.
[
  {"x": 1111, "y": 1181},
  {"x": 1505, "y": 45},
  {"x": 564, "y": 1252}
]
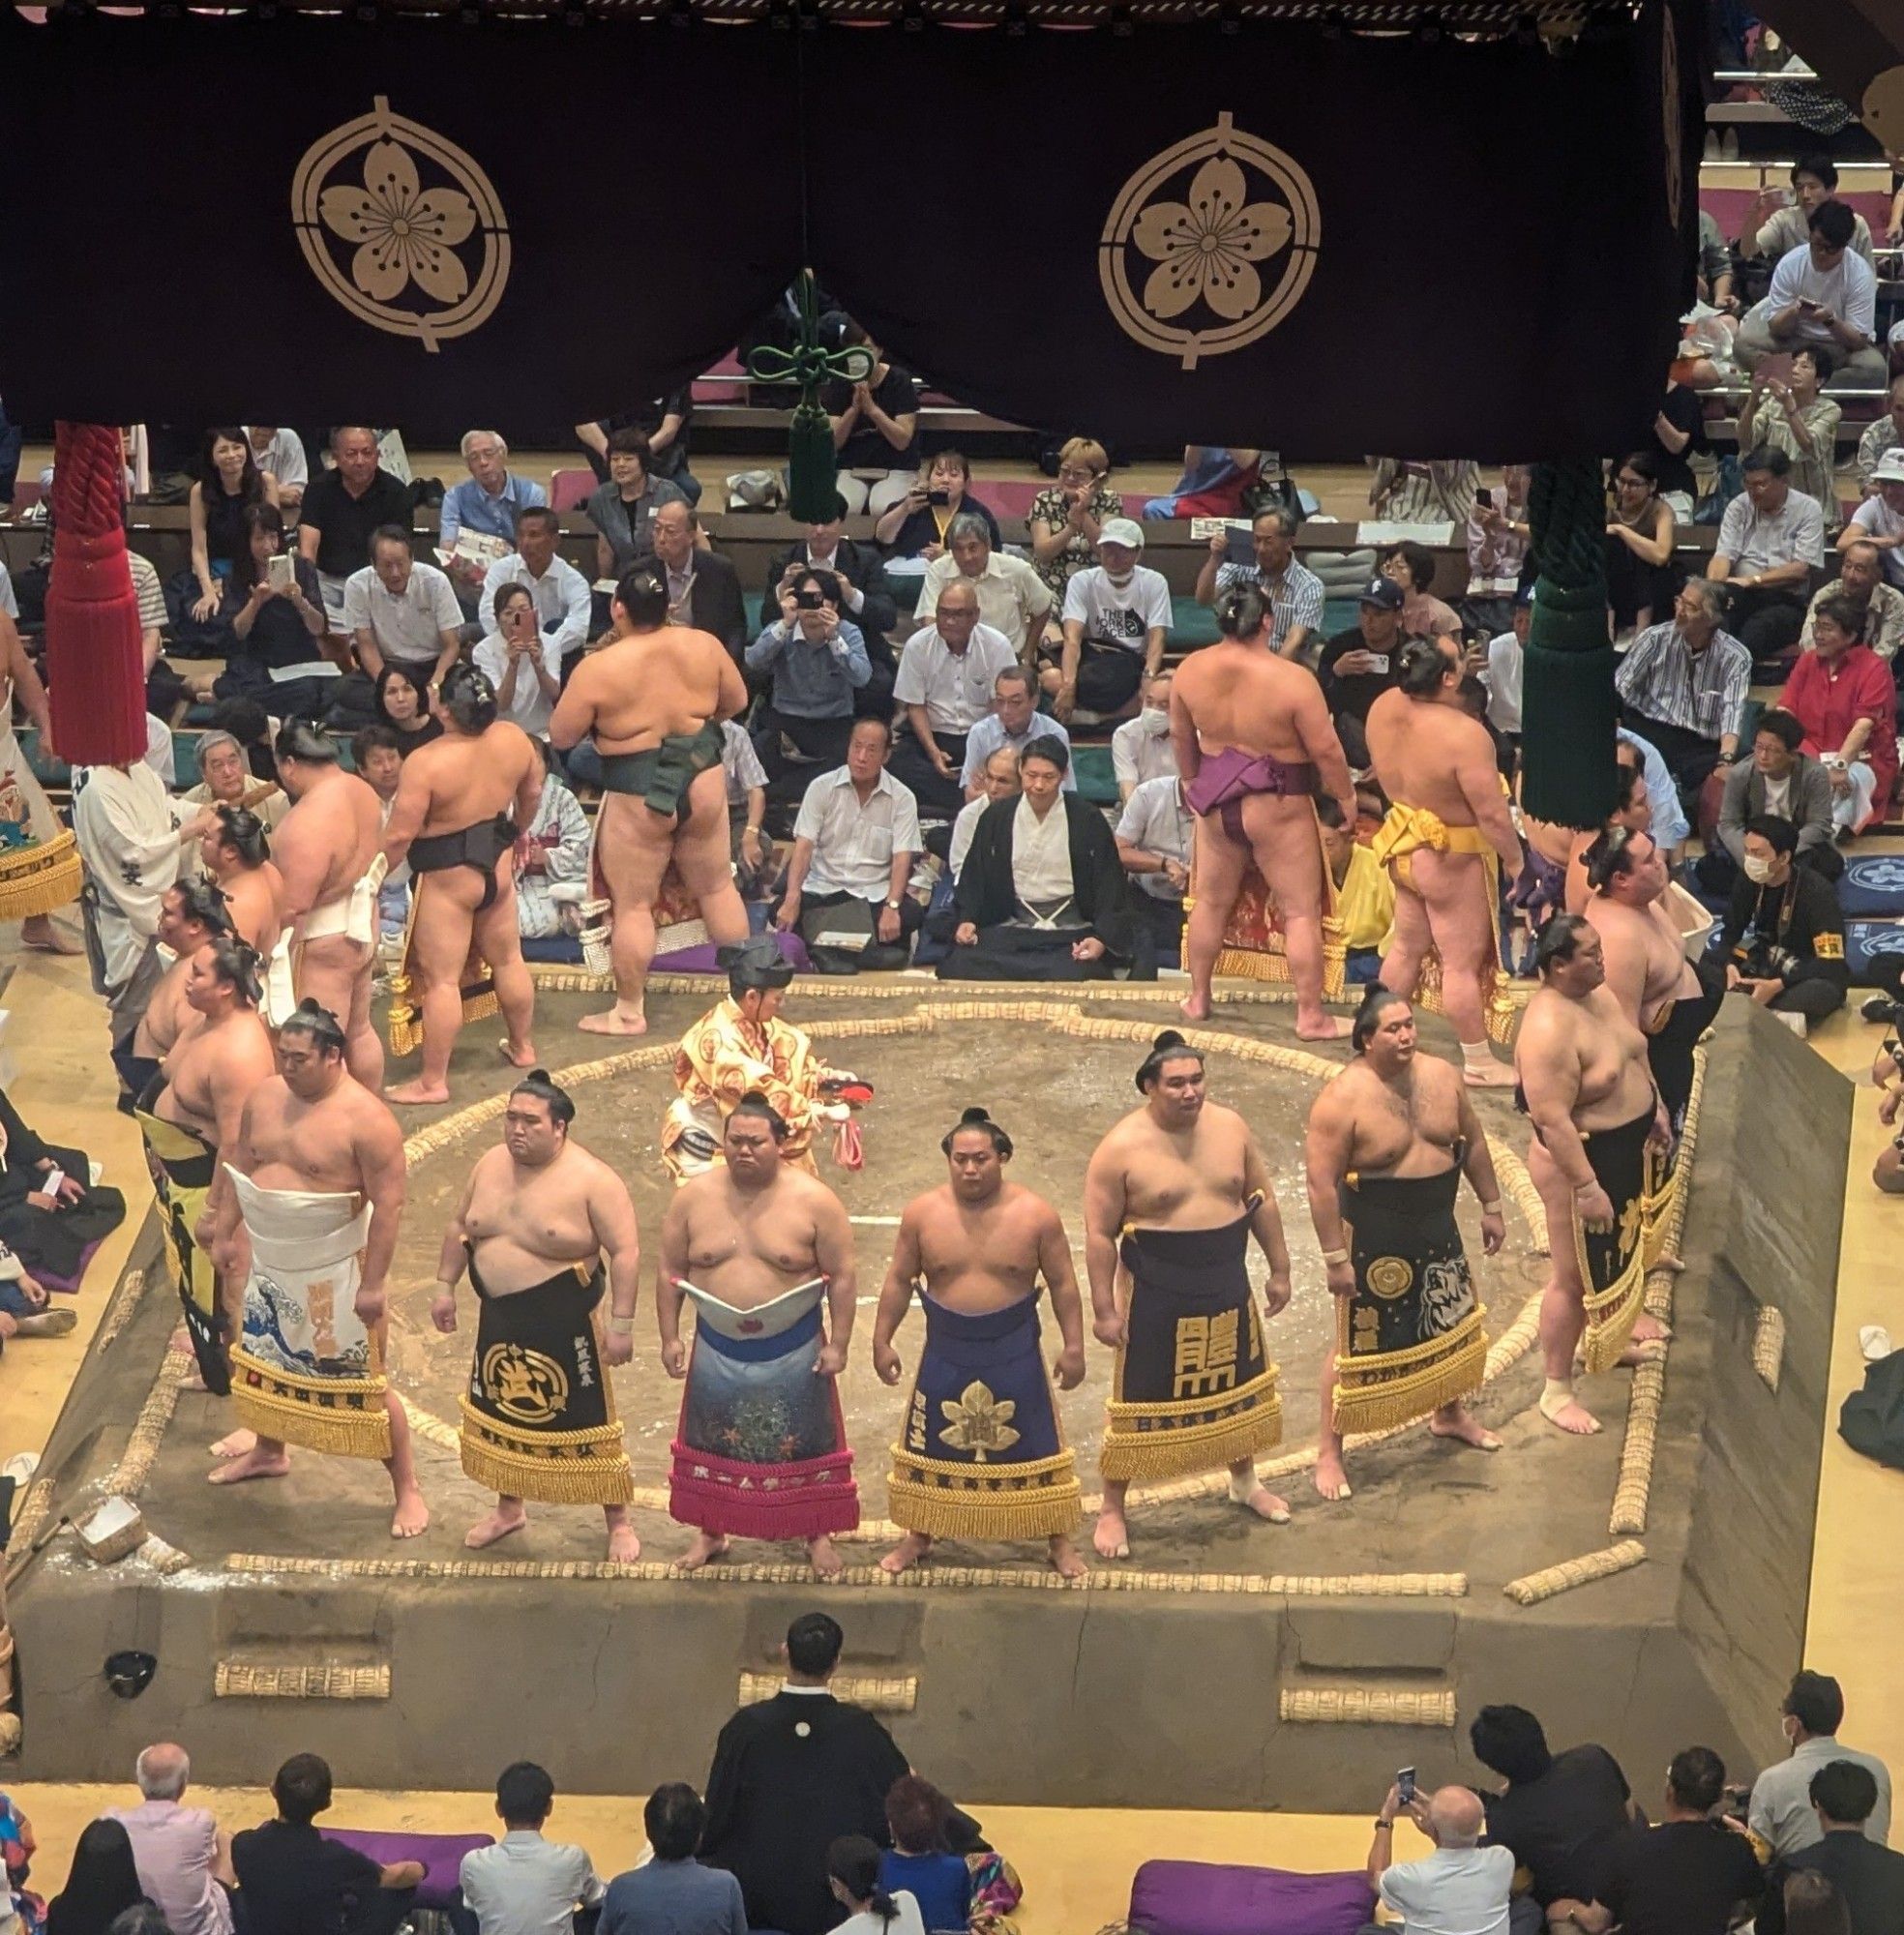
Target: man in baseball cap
[
  {"x": 1359, "y": 665},
  {"x": 1116, "y": 624},
  {"x": 1878, "y": 519}
]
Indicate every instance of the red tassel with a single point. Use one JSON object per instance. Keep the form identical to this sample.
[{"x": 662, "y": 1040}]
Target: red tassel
[
  {"x": 848, "y": 1150},
  {"x": 95, "y": 663}
]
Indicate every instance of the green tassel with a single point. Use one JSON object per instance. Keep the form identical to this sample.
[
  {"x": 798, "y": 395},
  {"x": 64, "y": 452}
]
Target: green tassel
[
  {"x": 1569, "y": 707},
  {"x": 811, "y": 486}
]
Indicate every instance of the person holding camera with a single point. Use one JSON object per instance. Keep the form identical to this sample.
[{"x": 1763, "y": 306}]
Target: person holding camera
[
  {"x": 1461, "y": 1888},
  {"x": 815, "y": 661},
  {"x": 919, "y": 524},
  {"x": 1782, "y": 939}
]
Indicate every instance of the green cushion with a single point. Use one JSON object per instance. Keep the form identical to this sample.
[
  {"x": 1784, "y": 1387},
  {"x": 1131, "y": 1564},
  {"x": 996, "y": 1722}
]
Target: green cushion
[{"x": 1097, "y": 779}]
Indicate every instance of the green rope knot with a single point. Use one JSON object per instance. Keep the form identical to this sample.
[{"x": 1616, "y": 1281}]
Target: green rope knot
[{"x": 811, "y": 464}]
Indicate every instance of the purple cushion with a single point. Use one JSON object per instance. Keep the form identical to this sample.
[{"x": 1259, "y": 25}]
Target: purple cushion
[
  {"x": 1208, "y": 1898},
  {"x": 70, "y": 1284},
  {"x": 441, "y": 1856}
]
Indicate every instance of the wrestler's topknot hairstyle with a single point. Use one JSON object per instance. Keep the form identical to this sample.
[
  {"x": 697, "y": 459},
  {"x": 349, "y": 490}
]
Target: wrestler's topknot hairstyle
[
  {"x": 469, "y": 697},
  {"x": 1241, "y": 611},
  {"x": 642, "y": 592},
  {"x": 1558, "y": 940},
  {"x": 236, "y": 963},
  {"x": 305, "y": 739},
  {"x": 541, "y": 1084},
  {"x": 1608, "y": 857},
  {"x": 314, "y": 1019},
  {"x": 1421, "y": 666},
  {"x": 243, "y": 831},
  {"x": 1375, "y": 1003},
  {"x": 203, "y": 901},
  {"x": 754, "y": 1103},
  {"x": 1169, "y": 1046},
  {"x": 978, "y": 1119}
]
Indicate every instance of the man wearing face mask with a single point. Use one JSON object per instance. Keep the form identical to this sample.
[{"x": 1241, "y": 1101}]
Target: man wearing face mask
[
  {"x": 1117, "y": 625},
  {"x": 1011, "y": 725},
  {"x": 1141, "y": 747},
  {"x": 1782, "y": 939}
]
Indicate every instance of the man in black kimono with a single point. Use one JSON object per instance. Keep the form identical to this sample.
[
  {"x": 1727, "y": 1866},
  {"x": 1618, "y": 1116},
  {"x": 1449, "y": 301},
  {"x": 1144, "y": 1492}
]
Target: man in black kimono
[
  {"x": 790, "y": 1776},
  {"x": 1042, "y": 895}
]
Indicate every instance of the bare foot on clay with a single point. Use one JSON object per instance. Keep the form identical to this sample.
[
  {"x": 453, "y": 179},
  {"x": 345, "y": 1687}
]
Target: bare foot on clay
[
  {"x": 616, "y": 1021},
  {"x": 1331, "y": 1480},
  {"x": 1564, "y": 1411},
  {"x": 1328, "y": 1028},
  {"x": 252, "y": 1464},
  {"x": 517, "y": 1057},
  {"x": 1112, "y": 1538},
  {"x": 1496, "y": 1075},
  {"x": 411, "y": 1516},
  {"x": 907, "y": 1554},
  {"x": 1195, "y": 1007},
  {"x": 235, "y": 1443},
  {"x": 499, "y": 1524},
  {"x": 1264, "y": 1504},
  {"x": 1065, "y": 1558},
  {"x": 1456, "y": 1423},
  {"x": 624, "y": 1548},
  {"x": 409, "y": 1094},
  {"x": 1650, "y": 1330},
  {"x": 823, "y": 1556},
  {"x": 707, "y": 1547}
]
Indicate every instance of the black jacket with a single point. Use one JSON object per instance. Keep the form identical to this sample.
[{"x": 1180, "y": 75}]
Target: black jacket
[
  {"x": 1802, "y": 916},
  {"x": 859, "y": 565},
  {"x": 716, "y": 600},
  {"x": 1100, "y": 888}
]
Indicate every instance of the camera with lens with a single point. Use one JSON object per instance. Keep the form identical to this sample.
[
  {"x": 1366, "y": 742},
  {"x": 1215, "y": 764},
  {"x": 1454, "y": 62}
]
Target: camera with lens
[
  {"x": 808, "y": 599},
  {"x": 1768, "y": 960}
]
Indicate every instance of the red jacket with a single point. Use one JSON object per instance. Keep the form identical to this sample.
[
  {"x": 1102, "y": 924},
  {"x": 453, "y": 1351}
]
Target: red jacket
[{"x": 1829, "y": 699}]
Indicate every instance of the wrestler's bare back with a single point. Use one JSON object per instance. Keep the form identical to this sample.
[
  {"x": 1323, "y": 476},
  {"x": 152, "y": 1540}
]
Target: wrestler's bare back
[
  {"x": 325, "y": 843},
  {"x": 252, "y": 899},
  {"x": 525, "y": 1222},
  {"x": 327, "y": 1146},
  {"x": 1251, "y": 698},
  {"x": 1194, "y": 1180},
  {"x": 1646, "y": 966},
  {"x": 1430, "y": 755},
  {"x": 979, "y": 1256},
  {"x": 1402, "y": 1129},
  {"x": 1590, "y": 1042},
  {"x": 749, "y": 1247},
  {"x": 167, "y": 1015},
  {"x": 213, "y": 1062},
  {"x": 648, "y": 687},
  {"x": 464, "y": 780}
]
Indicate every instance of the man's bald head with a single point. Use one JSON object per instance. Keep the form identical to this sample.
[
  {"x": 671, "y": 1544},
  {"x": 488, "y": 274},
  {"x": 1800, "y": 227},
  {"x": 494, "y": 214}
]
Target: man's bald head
[
  {"x": 1456, "y": 1816},
  {"x": 163, "y": 1770}
]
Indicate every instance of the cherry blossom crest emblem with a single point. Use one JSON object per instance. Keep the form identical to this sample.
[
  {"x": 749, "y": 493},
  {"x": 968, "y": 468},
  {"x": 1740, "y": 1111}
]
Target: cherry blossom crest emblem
[
  {"x": 401, "y": 226},
  {"x": 1210, "y": 245}
]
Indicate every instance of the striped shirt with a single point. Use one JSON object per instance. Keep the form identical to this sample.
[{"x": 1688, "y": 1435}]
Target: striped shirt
[
  {"x": 1294, "y": 599},
  {"x": 1702, "y": 692}
]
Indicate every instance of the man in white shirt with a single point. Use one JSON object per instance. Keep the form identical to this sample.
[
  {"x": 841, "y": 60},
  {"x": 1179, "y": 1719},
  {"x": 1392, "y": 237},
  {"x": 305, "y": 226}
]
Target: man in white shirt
[
  {"x": 1825, "y": 293},
  {"x": 1461, "y": 1888},
  {"x": 946, "y": 675},
  {"x": 1011, "y": 725},
  {"x": 1012, "y": 598},
  {"x": 560, "y": 591},
  {"x": 1771, "y": 538},
  {"x": 524, "y": 1884},
  {"x": 400, "y": 612},
  {"x": 1860, "y": 578},
  {"x": 180, "y": 1855},
  {"x": 280, "y": 453},
  {"x": 1501, "y": 674},
  {"x": 1879, "y": 521},
  {"x": 1141, "y": 747},
  {"x": 854, "y": 842},
  {"x": 997, "y": 779},
  {"x": 1154, "y": 838},
  {"x": 1116, "y": 624},
  {"x": 1780, "y": 1812}
]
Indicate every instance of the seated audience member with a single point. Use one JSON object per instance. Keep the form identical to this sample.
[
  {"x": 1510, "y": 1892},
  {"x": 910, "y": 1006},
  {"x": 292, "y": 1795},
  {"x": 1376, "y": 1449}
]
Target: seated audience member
[
  {"x": 224, "y": 779},
  {"x": 563, "y": 599},
  {"x": 253, "y": 727},
  {"x": 52, "y": 1216},
  {"x": 1501, "y": 674},
  {"x": 1042, "y": 895},
  {"x": 278, "y": 627},
  {"x": 1141, "y": 747},
  {"x": 486, "y": 502},
  {"x": 1870, "y": 1875},
  {"x": 852, "y": 1870},
  {"x": 228, "y": 485},
  {"x": 1789, "y": 414},
  {"x": 403, "y": 704},
  {"x": 1364, "y": 894},
  {"x": 184, "y": 1867},
  {"x": 18, "y": 1845},
  {"x": 1356, "y": 667},
  {"x": 946, "y": 675},
  {"x": 814, "y": 663},
  {"x": 1683, "y": 684},
  {"x": 920, "y": 523},
  {"x": 1815, "y": 1905},
  {"x": 398, "y": 612},
  {"x": 1011, "y": 725},
  {"x": 290, "y": 1876},
  {"x": 1406, "y": 490},
  {"x": 673, "y": 1893},
  {"x": 702, "y": 589},
  {"x": 622, "y": 511},
  {"x": 1845, "y": 697},
  {"x": 1292, "y": 592},
  {"x": 1692, "y": 1875},
  {"x": 278, "y": 452},
  {"x": 1012, "y": 598},
  {"x": 1461, "y": 1888},
  {"x": 1825, "y": 293},
  {"x": 919, "y": 1861},
  {"x": 1860, "y": 578},
  {"x": 344, "y": 509},
  {"x": 997, "y": 779},
  {"x": 875, "y": 429},
  {"x": 1778, "y": 779},
  {"x": 664, "y": 422},
  {"x": 1067, "y": 520},
  {"x": 1778, "y": 222},
  {"x": 1117, "y": 623},
  {"x": 1155, "y": 837},
  {"x": 1412, "y": 566},
  {"x": 1782, "y": 938},
  {"x": 552, "y": 852},
  {"x": 1215, "y": 478},
  {"x": 100, "y": 1885},
  {"x": 863, "y": 598},
  {"x": 524, "y": 1884},
  {"x": 1884, "y": 432},
  {"x": 1498, "y": 539},
  {"x": 1678, "y": 435},
  {"x": 1879, "y": 521},
  {"x": 854, "y": 844},
  {"x": 1559, "y": 1812},
  {"x": 1640, "y": 537},
  {"x": 747, "y": 803},
  {"x": 1780, "y": 1812},
  {"x": 522, "y": 662}
]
